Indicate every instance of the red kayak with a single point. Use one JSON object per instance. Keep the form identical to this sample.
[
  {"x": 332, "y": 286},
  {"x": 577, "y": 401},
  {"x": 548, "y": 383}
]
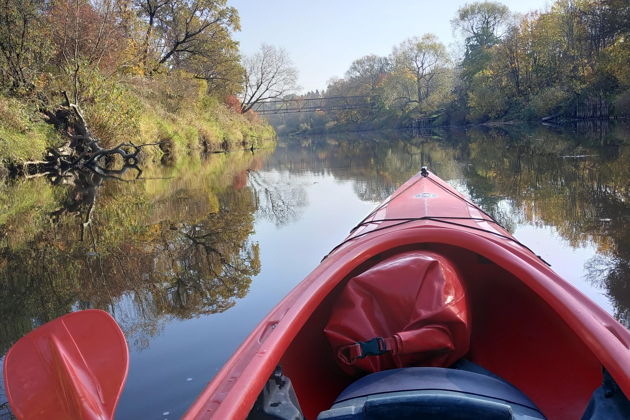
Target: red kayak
[{"x": 428, "y": 309}]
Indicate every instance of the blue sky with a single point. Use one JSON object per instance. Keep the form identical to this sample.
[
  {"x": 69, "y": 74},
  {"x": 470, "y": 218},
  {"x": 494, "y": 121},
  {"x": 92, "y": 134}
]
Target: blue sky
[{"x": 323, "y": 37}]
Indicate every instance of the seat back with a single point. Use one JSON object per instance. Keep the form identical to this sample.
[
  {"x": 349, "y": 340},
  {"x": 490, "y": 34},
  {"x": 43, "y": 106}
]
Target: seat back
[{"x": 431, "y": 393}]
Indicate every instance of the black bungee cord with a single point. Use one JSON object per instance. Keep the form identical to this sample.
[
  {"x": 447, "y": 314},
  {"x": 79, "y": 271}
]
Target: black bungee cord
[{"x": 441, "y": 219}]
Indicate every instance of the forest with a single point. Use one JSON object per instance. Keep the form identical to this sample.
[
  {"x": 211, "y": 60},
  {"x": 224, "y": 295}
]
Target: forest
[
  {"x": 121, "y": 72},
  {"x": 567, "y": 62}
]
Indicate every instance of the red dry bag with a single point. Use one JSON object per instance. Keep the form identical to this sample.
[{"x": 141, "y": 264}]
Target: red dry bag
[{"x": 407, "y": 310}]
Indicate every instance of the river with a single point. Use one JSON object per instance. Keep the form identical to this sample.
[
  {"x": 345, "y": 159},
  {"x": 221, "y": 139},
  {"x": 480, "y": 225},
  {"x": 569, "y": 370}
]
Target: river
[{"x": 192, "y": 255}]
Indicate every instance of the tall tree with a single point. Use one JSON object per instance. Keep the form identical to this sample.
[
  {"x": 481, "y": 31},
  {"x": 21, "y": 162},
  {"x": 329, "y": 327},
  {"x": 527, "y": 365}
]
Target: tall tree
[
  {"x": 269, "y": 74},
  {"x": 23, "y": 44},
  {"x": 86, "y": 35},
  {"x": 149, "y": 9},
  {"x": 417, "y": 64},
  {"x": 368, "y": 72},
  {"x": 178, "y": 30},
  {"x": 213, "y": 57},
  {"x": 482, "y": 24}
]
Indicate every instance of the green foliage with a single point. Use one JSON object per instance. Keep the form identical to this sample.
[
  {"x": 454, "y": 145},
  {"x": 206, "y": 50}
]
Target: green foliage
[
  {"x": 111, "y": 108},
  {"x": 485, "y": 99},
  {"x": 24, "y": 45},
  {"x": 570, "y": 61},
  {"x": 574, "y": 54},
  {"x": 195, "y": 36},
  {"x": 481, "y": 23},
  {"x": 366, "y": 74},
  {"x": 179, "y": 243},
  {"x": 622, "y": 104},
  {"x": 23, "y": 207},
  {"x": 20, "y": 138},
  {"x": 548, "y": 101},
  {"x": 173, "y": 93},
  {"x": 174, "y": 108},
  {"x": 177, "y": 109},
  {"x": 418, "y": 63},
  {"x": 187, "y": 46},
  {"x": 613, "y": 59}
]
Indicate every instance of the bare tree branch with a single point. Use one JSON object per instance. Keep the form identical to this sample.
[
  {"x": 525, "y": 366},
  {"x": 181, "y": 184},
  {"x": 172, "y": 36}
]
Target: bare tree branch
[{"x": 269, "y": 74}]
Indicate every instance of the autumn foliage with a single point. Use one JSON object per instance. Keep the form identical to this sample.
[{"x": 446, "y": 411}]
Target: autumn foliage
[
  {"x": 58, "y": 44},
  {"x": 233, "y": 103}
]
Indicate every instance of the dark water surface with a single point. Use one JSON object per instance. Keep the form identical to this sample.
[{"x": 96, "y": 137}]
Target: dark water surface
[{"x": 189, "y": 259}]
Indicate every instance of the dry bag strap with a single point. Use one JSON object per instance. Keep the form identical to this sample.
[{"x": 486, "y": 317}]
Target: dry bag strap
[
  {"x": 430, "y": 338},
  {"x": 350, "y": 353}
]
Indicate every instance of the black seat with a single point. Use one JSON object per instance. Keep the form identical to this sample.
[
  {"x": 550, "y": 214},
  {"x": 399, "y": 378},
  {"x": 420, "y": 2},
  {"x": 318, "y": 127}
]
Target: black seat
[{"x": 432, "y": 393}]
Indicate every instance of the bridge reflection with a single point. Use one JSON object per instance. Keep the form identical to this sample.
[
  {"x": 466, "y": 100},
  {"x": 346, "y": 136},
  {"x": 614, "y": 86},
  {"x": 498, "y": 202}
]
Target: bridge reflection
[{"x": 331, "y": 103}]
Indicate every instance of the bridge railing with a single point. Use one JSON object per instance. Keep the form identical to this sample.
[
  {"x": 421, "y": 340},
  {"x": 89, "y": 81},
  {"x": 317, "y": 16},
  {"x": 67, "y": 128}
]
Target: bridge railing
[{"x": 330, "y": 103}]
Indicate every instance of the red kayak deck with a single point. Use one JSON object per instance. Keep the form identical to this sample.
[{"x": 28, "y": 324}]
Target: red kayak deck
[{"x": 529, "y": 326}]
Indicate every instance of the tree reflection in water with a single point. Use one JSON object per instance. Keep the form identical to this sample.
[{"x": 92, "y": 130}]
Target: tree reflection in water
[
  {"x": 575, "y": 183},
  {"x": 278, "y": 199},
  {"x": 171, "y": 247}
]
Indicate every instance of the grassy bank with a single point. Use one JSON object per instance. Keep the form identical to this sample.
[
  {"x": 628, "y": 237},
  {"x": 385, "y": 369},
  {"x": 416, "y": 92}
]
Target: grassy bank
[{"x": 175, "y": 110}]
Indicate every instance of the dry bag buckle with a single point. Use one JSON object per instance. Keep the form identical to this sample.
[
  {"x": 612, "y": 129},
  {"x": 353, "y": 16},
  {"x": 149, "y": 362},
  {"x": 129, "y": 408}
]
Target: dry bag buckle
[
  {"x": 350, "y": 353},
  {"x": 373, "y": 347}
]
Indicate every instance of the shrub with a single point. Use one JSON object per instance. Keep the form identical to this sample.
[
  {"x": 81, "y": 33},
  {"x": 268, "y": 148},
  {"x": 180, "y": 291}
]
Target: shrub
[
  {"x": 622, "y": 104},
  {"x": 485, "y": 98},
  {"x": 232, "y": 102},
  {"x": 548, "y": 101},
  {"x": 114, "y": 114}
]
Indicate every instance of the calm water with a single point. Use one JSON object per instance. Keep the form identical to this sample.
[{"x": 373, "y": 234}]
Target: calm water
[{"x": 189, "y": 259}]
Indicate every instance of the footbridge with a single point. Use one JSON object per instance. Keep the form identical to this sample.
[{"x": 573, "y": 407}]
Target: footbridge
[{"x": 330, "y": 103}]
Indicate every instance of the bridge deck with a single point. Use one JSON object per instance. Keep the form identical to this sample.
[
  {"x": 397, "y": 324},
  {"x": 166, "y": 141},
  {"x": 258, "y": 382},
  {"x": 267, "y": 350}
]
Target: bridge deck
[{"x": 331, "y": 103}]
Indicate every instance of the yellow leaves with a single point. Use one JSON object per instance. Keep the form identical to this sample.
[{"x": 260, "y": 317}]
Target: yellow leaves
[
  {"x": 150, "y": 233},
  {"x": 130, "y": 59},
  {"x": 484, "y": 76},
  {"x": 617, "y": 59}
]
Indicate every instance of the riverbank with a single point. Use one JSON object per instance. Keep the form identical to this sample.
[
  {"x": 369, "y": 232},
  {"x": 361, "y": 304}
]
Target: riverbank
[
  {"x": 420, "y": 127},
  {"x": 175, "y": 111}
]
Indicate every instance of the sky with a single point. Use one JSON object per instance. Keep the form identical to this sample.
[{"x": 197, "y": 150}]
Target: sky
[{"x": 323, "y": 37}]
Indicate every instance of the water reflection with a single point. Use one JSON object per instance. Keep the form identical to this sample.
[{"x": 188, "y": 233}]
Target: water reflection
[
  {"x": 174, "y": 246},
  {"x": 376, "y": 164},
  {"x": 278, "y": 199},
  {"x": 577, "y": 183}
]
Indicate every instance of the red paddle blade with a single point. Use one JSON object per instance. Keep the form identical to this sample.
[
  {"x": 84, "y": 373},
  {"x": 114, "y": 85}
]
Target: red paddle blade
[{"x": 73, "y": 367}]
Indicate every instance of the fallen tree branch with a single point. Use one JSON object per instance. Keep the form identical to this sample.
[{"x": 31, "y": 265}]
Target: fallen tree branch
[{"x": 82, "y": 150}]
